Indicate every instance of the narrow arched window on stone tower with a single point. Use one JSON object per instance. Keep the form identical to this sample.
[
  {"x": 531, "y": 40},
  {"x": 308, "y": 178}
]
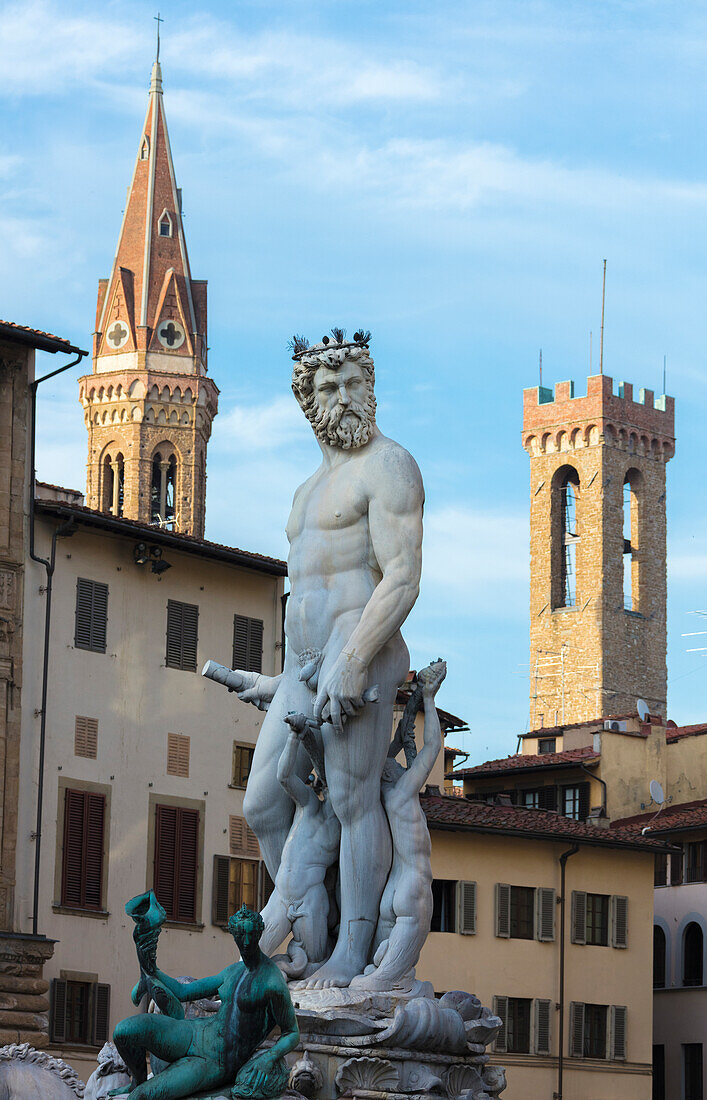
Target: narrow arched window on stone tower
[
  {"x": 565, "y": 538},
  {"x": 163, "y": 490},
  {"x": 631, "y": 493},
  {"x": 113, "y": 484}
]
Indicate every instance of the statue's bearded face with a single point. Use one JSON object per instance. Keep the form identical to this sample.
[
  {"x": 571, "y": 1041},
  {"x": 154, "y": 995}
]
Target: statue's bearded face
[{"x": 335, "y": 391}]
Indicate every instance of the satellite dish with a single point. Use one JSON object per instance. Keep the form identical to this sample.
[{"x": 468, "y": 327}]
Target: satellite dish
[
  {"x": 657, "y": 793},
  {"x": 642, "y": 708}
]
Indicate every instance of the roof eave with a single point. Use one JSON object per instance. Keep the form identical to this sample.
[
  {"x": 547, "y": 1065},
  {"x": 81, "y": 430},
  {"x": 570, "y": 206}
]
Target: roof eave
[
  {"x": 532, "y": 769},
  {"x": 165, "y": 538},
  {"x": 36, "y": 340},
  {"x": 557, "y": 838}
]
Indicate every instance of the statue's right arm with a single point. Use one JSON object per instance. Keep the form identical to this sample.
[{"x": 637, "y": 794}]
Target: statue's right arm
[
  {"x": 250, "y": 687},
  {"x": 423, "y": 763},
  {"x": 193, "y": 991},
  {"x": 298, "y": 791}
]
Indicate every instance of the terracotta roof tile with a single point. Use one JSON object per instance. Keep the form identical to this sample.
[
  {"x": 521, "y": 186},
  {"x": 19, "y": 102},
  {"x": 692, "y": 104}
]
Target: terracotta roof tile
[
  {"x": 35, "y": 337},
  {"x": 677, "y": 733},
  {"x": 554, "y": 731},
  {"x": 686, "y": 815},
  {"x": 446, "y": 812},
  {"x": 520, "y": 762}
]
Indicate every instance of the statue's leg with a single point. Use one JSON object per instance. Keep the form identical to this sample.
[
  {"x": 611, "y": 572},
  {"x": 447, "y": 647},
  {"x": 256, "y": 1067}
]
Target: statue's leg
[
  {"x": 277, "y": 924},
  {"x": 181, "y": 1079},
  {"x": 310, "y": 927},
  {"x": 268, "y": 808},
  {"x": 354, "y": 763},
  {"x": 136, "y": 1036}
]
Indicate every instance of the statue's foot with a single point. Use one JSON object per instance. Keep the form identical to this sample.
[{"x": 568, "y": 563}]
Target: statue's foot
[{"x": 332, "y": 974}]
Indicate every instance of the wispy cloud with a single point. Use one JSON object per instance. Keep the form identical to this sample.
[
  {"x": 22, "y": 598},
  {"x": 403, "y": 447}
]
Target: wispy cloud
[{"x": 269, "y": 426}]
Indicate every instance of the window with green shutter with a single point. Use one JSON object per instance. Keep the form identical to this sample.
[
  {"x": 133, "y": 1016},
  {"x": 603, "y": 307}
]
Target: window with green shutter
[
  {"x": 182, "y": 635},
  {"x": 91, "y": 615},
  {"x": 247, "y": 644}
]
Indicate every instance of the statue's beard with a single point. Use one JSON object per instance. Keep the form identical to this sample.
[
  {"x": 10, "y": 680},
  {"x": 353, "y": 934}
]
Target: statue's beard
[{"x": 348, "y": 434}]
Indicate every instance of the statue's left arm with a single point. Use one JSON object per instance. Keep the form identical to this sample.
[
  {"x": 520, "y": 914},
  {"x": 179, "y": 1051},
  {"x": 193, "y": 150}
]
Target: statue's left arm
[{"x": 395, "y": 526}]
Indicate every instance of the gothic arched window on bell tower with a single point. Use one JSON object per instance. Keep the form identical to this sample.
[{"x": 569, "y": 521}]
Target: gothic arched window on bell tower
[
  {"x": 631, "y": 517},
  {"x": 163, "y": 489},
  {"x": 113, "y": 491},
  {"x": 565, "y": 537}
]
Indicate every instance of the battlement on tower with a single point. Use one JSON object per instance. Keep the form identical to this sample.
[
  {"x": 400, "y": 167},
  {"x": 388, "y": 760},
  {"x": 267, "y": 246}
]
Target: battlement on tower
[{"x": 649, "y": 417}]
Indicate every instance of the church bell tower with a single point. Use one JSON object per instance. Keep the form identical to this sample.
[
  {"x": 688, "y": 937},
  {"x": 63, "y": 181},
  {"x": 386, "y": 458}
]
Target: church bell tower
[
  {"x": 149, "y": 403},
  {"x": 598, "y": 589}
]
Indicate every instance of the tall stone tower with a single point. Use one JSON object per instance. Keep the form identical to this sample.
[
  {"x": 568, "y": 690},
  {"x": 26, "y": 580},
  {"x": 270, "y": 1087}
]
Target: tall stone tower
[
  {"x": 597, "y": 549},
  {"x": 149, "y": 403}
]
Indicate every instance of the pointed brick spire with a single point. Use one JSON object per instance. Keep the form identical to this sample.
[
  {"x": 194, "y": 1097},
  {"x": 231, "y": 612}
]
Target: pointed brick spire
[
  {"x": 149, "y": 413},
  {"x": 151, "y": 248}
]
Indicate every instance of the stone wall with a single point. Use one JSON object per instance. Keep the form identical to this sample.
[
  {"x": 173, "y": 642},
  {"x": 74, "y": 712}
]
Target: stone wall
[{"x": 595, "y": 657}]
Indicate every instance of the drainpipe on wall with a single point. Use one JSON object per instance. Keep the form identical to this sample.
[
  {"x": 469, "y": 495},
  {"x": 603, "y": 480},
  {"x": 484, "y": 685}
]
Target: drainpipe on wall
[
  {"x": 65, "y": 530},
  {"x": 561, "y": 1005},
  {"x": 603, "y": 787}
]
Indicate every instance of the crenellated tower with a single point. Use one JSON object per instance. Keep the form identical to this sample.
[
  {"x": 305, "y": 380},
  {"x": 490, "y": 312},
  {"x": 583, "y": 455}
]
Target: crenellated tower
[
  {"x": 149, "y": 403},
  {"x": 598, "y": 588}
]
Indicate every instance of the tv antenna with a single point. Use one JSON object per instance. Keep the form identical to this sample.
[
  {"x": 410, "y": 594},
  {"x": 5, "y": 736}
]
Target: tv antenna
[{"x": 658, "y": 797}]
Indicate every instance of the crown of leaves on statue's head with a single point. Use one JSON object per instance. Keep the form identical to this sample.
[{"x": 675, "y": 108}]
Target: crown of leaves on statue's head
[{"x": 336, "y": 341}]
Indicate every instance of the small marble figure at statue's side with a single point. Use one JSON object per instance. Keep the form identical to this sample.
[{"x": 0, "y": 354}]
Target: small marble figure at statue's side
[
  {"x": 299, "y": 901},
  {"x": 406, "y": 905},
  {"x": 221, "y": 1050}
]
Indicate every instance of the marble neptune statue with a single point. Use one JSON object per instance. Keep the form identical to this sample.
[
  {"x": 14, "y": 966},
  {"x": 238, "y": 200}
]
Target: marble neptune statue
[{"x": 355, "y": 534}]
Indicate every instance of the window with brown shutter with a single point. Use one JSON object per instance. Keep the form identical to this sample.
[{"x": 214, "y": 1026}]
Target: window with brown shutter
[
  {"x": 182, "y": 635},
  {"x": 242, "y": 761},
  {"x": 247, "y": 643},
  {"x": 178, "y": 754},
  {"x": 237, "y": 882},
  {"x": 79, "y": 1012},
  {"x": 242, "y": 839},
  {"x": 86, "y": 737},
  {"x": 91, "y": 615},
  {"x": 176, "y": 861},
  {"x": 82, "y": 860}
]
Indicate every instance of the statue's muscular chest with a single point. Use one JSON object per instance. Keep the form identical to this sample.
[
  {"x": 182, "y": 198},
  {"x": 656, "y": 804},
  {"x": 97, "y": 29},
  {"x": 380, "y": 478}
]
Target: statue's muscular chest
[{"x": 331, "y": 501}]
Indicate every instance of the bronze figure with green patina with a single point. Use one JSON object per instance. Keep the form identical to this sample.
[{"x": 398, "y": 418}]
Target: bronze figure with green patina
[{"x": 220, "y": 1052}]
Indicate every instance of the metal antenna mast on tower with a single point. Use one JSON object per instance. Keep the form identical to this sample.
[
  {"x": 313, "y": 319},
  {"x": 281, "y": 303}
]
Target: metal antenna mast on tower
[
  {"x": 158, "y": 19},
  {"x": 601, "y": 338}
]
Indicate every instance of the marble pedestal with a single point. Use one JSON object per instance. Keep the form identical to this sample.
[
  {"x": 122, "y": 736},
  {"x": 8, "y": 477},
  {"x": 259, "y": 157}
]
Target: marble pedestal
[{"x": 394, "y": 1046}]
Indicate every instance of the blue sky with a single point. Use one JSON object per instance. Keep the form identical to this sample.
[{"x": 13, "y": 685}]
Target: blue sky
[{"x": 449, "y": 175}]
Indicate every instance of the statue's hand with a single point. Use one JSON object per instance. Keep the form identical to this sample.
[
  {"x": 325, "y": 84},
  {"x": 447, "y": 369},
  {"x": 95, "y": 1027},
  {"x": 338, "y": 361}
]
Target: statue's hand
[
  {"x": 430, "y": 678},
  {"x": 340, "y": 694},
  {"x": 256, "y": 689}
]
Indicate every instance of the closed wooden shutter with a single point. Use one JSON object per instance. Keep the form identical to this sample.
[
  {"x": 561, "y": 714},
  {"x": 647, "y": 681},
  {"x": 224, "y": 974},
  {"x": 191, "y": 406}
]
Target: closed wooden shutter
[
  {"x": 101, "y": 1014},
  {"x": 86, "y": 737},
  {"x": 466, "y": 908},
  {"x": 219, "y": 901},
  {"x": 576, "y": 1029},
  {"x": 93, "y": 874},
  {"x": 547, "y": 798},
  {"x": 247, "y": 643},
  {"x": 182, "y": 635},
  {"x": 500, "y": 1009},
  {"x": 545, "y": 914},
  {"x": 579, "y": 917},
  {"x": 82, "y": 860},
  {"x": 541, "y": 1026},
  {"x": 617, "y": 1033},
  {"x": 176, "y": 861},
  {"x": 57, "y": 1010},
  {"x": 178, "y": 754},
  {"x": 583, "y": 801},
  {"x": 619, "y": 921},
  {"x": 503, "y": 909},
  {"x": 242, "y": 840},
  {"x": 91, "y": 615}
]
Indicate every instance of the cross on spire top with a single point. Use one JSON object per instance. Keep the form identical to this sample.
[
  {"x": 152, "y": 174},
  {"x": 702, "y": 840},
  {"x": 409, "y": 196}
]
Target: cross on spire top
[{"x": 158, "y": 19}]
